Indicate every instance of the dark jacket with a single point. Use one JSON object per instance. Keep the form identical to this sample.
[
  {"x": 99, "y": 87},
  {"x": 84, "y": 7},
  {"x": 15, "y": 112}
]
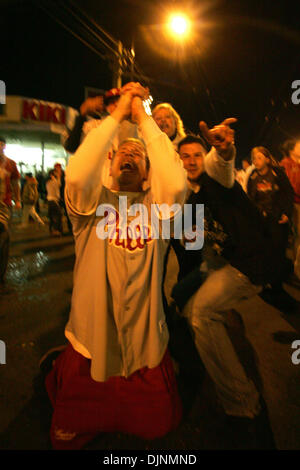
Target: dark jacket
[
  {"x": 248, "y": 247},
  {"x": 73, "y": 140},
  {"x": 283, "y": 198}
]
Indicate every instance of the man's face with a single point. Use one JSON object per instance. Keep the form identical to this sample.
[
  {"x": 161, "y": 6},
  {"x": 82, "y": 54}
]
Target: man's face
[
  {"x": 192, "y": 156},
  {"x": 165, "y": 121},
  {"x": 2, "y": 146},
  {"x": 128, "y": 167}
]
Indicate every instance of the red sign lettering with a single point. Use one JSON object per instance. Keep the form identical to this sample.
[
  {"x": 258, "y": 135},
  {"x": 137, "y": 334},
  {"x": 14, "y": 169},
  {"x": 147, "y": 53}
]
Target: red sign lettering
[
  {"x": 37, "y": 111},
  {"x": 63, "y": 116},
  {"x": 29, "y": 110},
  {"x": 42, "y": 112}
]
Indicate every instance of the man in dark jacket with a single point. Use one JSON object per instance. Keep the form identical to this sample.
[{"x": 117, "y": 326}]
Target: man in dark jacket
[{"x": 234, "y": 264}]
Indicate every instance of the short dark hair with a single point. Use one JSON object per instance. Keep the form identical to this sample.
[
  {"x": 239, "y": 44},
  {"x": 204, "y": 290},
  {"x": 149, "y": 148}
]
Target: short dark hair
[
  {"x": 192, "y": 139},
  {"x": 28, "y": 174},
  {"x": 2, "y": 140}
]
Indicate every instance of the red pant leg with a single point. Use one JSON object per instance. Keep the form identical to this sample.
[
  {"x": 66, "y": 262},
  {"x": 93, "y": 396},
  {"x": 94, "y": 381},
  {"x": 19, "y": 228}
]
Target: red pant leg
[
  {"x": 146, "y": 404},
  {"x": 149, "y": 403}
]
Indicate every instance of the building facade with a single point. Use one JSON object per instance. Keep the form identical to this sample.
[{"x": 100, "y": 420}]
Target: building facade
[{"x": 35, "y": 131}]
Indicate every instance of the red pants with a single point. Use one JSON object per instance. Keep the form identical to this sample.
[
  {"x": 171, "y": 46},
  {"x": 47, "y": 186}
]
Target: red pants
[{"x": 145, "y": 404}]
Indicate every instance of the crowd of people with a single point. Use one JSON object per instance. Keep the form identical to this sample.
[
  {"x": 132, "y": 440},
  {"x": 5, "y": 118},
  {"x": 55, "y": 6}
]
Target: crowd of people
[
  {"x": 116, "y": 371},
  {"x": 25, "y": 195}
]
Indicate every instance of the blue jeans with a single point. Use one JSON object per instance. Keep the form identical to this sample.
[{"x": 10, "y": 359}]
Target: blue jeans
[{"x": 222, "y": 290}]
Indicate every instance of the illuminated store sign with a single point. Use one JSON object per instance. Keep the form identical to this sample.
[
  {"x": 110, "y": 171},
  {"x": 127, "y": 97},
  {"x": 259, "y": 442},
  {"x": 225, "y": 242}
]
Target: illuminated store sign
[{"x": 43, "y": 112}]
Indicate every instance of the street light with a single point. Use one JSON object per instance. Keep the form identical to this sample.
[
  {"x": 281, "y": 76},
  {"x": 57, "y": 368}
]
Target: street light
[{"x": 179, "y": 25}]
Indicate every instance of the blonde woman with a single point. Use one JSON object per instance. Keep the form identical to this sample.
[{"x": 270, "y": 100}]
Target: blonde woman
[{"x": 169, "y": 121}]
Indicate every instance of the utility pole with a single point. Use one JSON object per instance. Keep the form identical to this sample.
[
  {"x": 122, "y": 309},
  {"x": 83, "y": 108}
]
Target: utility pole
[{"x": 118, "y": 67}]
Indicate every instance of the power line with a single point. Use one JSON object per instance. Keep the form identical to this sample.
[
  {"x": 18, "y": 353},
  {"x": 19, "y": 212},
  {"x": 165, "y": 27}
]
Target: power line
[
  {"x": 98, "y": 37},
  {"x": 71, "y": 31},
  {"x": 89, "y": 33},
  {"x": 114, "y": 41}
]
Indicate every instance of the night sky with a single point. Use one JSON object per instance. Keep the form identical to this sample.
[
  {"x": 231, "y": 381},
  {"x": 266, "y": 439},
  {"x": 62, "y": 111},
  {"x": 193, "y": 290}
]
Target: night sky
[{"x": 240, "y": 62}]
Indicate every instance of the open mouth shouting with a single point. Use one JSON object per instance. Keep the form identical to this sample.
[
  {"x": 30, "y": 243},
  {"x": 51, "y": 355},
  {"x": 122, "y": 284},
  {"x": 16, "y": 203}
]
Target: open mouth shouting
[
  {"x": 164, "y": 126},
  {"x": 128, "y": 165}
]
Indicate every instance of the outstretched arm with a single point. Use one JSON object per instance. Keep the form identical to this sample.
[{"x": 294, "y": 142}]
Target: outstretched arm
[{"x": 219, "y": 162}]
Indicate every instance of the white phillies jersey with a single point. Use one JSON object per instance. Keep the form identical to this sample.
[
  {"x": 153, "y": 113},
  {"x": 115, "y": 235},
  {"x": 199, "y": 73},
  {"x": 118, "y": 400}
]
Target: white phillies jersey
[{"x": 117, "y": 317}]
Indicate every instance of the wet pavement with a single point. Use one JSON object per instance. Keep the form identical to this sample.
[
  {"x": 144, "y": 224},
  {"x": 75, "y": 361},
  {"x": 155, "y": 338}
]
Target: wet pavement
[{"x": 34, "y": 310}]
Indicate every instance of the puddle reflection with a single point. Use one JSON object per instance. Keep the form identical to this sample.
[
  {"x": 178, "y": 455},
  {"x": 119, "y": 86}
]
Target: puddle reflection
[{"x": 21, "y": 269}]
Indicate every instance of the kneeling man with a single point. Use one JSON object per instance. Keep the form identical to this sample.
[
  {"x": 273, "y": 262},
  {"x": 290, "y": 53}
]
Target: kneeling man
[{"x": 116, "y": 374}]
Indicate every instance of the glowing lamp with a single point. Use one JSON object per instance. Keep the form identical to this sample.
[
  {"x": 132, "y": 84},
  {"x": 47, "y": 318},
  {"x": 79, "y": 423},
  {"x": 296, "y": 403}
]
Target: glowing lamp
[{"x": 179, "y": 25}]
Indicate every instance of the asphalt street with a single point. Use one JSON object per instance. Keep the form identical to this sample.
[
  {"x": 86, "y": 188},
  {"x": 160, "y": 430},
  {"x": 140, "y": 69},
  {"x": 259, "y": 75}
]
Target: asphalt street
[{"x": 34, "y": 309}]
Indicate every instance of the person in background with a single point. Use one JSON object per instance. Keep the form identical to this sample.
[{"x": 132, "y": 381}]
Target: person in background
[
  {"x": 54, "y": 208},
  {"x": 270, "y": 190},
  {"x": 92, "y": 111},
  {"x": 60, "y": 176},
  {"x": 30, "y": 196},
  {"x": 42, "y": 185},
  {"x": 9, "y": 191},
  {"x": 291, "y": 164}
]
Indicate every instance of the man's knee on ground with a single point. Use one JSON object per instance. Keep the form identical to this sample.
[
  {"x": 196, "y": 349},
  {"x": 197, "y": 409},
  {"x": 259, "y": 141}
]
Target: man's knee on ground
[{"x": 201, "y": 316}]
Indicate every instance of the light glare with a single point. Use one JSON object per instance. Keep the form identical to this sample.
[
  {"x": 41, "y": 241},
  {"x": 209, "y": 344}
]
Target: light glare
[
  {"x": 179, "y": 25},
  {"x": 147, "y": 105}
]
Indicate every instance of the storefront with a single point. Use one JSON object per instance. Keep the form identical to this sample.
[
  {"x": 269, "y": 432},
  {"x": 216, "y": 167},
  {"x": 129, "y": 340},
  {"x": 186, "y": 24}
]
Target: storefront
[{"x": 34, "y": 131}]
